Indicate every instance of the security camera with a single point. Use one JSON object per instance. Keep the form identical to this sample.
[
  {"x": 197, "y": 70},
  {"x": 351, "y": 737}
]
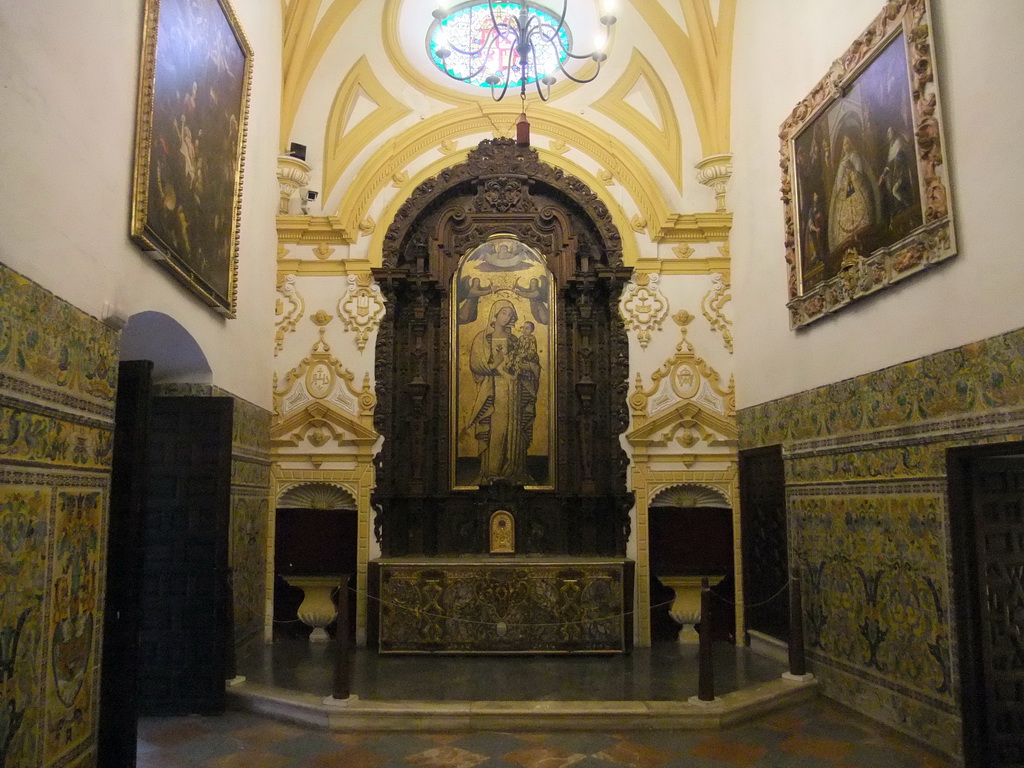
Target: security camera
[{"x": 306, "y": 198}]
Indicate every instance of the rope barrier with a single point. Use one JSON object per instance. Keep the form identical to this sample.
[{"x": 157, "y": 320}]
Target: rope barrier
[{"x": 753, "y": 605}]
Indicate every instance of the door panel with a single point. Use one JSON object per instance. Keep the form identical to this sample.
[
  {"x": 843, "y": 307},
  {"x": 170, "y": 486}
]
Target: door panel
[
  {"x": 119, "y": 704},
  {"x": 765, "y": 540},
  {"x": 185, "y": 542},
  {"x": 997, "y": 485}
]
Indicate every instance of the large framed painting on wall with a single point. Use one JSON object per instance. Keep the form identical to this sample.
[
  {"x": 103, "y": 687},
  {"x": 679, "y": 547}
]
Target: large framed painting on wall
[
  {"x": 503, "y": 372},
  {"x": 865, "y": 179},
  {"x": 190, "y": 139}
]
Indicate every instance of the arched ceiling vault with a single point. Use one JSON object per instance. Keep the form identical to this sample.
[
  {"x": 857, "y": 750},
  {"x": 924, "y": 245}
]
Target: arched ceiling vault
[{"x": 692, "y": 45}]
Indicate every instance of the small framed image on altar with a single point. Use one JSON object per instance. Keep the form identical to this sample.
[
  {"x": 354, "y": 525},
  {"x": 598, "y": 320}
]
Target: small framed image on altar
[{"x": 865, "y": 174}]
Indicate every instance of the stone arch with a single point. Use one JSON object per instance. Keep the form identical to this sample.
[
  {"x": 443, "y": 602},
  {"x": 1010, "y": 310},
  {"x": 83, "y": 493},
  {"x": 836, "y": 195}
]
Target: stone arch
[
  {"x": 691, "y": 495},
  {"x": 316, "y": 495}
]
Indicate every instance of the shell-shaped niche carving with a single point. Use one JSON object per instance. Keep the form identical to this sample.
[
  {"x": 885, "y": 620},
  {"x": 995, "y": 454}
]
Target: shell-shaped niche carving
[{"x": 316, "y": 496}]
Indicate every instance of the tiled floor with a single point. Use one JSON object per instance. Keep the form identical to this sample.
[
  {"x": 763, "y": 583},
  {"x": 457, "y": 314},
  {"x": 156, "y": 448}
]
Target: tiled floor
[{"x": 814, "y": 735}]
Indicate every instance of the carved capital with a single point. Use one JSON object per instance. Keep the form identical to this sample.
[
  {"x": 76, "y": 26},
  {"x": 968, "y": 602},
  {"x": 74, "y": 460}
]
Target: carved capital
[
  {"x": 715, "y": 171},
  {"x": 292, "y": 174}
]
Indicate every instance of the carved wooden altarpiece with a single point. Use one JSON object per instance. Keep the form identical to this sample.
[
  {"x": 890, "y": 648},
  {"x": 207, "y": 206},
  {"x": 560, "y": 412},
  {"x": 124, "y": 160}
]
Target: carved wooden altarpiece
[{"x": 502, "y": 193}]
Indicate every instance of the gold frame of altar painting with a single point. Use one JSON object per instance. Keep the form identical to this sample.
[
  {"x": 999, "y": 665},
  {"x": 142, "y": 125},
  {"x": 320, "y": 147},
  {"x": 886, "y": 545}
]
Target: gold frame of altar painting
[
  {"x": 865, "y": 179},
  {"x": 190, "y": 144},
  {"x": 460, "y": 352}
]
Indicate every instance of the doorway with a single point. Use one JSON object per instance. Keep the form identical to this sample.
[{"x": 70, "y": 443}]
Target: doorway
[{"x": 986, "y": 501}]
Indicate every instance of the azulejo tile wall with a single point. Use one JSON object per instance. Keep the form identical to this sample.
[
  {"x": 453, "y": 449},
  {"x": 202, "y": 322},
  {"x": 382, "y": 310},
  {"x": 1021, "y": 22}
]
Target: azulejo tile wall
[
  {"x": 865, "y": 463},
  {"x": 58, "y": 379},
  {"x": 250, "y": 498}
]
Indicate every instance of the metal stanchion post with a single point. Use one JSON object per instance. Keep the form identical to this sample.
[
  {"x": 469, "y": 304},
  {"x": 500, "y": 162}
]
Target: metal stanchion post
[
  {"x": 705, "y": 660},
  {"x": 797, "y": 658},
  {"x": 343, "y": 663}
]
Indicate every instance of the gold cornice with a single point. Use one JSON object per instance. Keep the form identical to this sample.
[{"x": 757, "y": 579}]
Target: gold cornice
[
  {"x": 694, "y": 228},
  {"x": 630, "y": 252},
  {"x": 610, "y": 153},
  {"x": 313, "y": 230},
  {"x": 664, "y": 142},
  {"x": 659, "y": 429},
  {"x": 709, "y": 266},
  {"x": 304, "y": 45},
  {"x": 343, "y": 142},
  {"x": 412, "y": 74},
  {"x": 311, "y": 268}
]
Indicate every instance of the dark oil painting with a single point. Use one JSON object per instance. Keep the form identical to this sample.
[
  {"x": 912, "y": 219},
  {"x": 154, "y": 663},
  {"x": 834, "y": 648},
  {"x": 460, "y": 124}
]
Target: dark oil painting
[
  {"x": 856, "y": 171},
  {"x": 190, "y": 181}
]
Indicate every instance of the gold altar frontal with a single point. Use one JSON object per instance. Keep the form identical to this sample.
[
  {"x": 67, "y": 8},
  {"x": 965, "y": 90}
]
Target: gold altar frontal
[{"x": 501, "y": 605}]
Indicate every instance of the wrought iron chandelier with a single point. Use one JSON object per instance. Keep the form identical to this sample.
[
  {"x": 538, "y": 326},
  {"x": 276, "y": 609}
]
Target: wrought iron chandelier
[{"x": 503, "y": 44}]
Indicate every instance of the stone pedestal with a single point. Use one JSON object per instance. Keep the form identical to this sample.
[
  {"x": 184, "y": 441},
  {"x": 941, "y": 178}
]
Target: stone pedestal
[
  {"x": 686, "y": 607},
  {"x": 317, "y": 610}
]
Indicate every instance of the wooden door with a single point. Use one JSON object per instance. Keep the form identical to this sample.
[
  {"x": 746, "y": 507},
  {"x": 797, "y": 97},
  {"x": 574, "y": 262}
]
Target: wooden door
[
  {"x": 185, "y": 561},
  {"x": 765, "y": 540},
  {"x": 988, "y": 528},
  {"x": 119, "y": 706}
]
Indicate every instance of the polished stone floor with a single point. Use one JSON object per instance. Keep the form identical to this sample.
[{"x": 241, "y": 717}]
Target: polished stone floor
[
  {"x": 665, "y": 672},
  {"x": 817, "y": 734}
]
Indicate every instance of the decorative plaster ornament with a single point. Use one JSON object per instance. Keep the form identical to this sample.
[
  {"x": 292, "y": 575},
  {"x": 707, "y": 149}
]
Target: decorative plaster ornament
[
  {"x": 683, "y": 251},
  {"x": 292, "y": 174},
  {"x": 715, "y": 171},
  {"x": 448, "y": 147},
  {"x": 367, "y": 225},
  {"x": 638, "y": 223},
  {"x": 290, "y": 316},
  {"x": 399, "y": 179},
  {"x": 282, "y": 252},
  {"x": 605, "y": 177},
  {"x": 712, "y": 305},
  {"x": 323, "y": 251},
  {"x": 558, "y": 146},
  {"x": 321, "y": 318},
  {"x": 362, "y": 308},
  {"x": 643, "y": 306}
]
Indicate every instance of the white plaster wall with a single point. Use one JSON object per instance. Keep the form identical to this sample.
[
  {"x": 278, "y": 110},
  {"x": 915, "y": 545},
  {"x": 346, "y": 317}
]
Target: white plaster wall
[
  {"x": 782, "y": 49},
  {"x": 68, "y": 80}
]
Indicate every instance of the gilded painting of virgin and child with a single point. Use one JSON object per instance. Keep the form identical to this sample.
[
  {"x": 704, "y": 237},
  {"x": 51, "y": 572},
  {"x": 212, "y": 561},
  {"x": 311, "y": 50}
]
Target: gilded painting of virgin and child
[
  {"x": 503, "y": 376},
  {"x": 865, "y": 169},
  {"x": 193, "y": 95}
]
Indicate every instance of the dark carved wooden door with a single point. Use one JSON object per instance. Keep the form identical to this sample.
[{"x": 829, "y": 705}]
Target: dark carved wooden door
[
  {"x": 997, "y": 491},
  {"x": 119, "y": 706},
  {"x": 185, "y": 541},
  {"x": 765, "y": 541}
]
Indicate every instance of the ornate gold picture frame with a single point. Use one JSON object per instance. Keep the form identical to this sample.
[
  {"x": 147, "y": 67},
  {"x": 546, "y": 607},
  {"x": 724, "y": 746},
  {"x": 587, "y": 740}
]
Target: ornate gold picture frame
[
  {"x": 194, "y": 86},
  {"x": 864, "y": 176}
]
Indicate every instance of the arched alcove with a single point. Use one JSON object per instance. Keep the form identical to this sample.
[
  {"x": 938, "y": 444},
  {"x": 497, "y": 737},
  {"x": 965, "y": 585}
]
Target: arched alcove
[{"x": 176, "y": 355}]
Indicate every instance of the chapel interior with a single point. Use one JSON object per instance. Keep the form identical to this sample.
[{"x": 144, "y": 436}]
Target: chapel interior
[{"x": 484, "y": 382}]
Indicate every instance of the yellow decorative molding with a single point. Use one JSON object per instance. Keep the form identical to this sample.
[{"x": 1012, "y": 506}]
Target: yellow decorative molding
[
  {"x": 686, "y": 267},
  {"x": 630, "y": 252},
  {"x": 367, "y": 226},
  {"x": 712, "y": 306},
  {"x": 715, "y": 430},
  {"x": 337, "y": 268},
  {"x": 448, "y": 147},
  {"x": 305, "y": 42},
  {"x": 605, "y": 177},
  {"x": 281, "y": 252},
  {"x": 312, "y": 230},
  {"x": 558, "y": 146},
  {"x": 664, "y": 141},
  {"x": 412, "y": 73},
  {"x": 702, "y": 57},
  {"x": 682, "y": 251},
  {"x": 323, "y": 251},
  {"x": 400, "y": 179},
  {"x": 694, "y": 228},
  {"x": 610, "y": 153},
  {"x": 638, "y": 224},
  {"x": 290, "y": 316},
  {"x": 343, "y": 141},
  {"x": 643, "y": 307},
  {"x": 688, "y": 377},
  {"x": 320, "y": 376}
]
